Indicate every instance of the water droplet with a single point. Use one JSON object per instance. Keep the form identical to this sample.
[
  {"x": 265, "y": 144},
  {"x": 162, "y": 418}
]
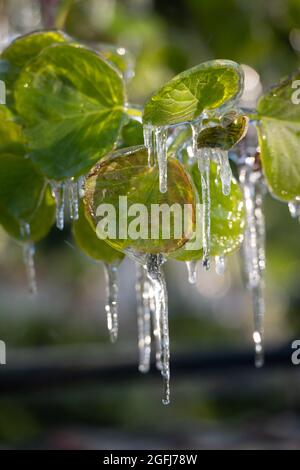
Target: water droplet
[
  {"x": 192, "y": 271},
  {"x": 294, "y": 208},
  {"x": 220, "y": 265}
]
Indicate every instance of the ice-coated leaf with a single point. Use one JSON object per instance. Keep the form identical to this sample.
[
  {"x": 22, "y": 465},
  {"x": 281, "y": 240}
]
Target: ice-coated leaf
[
  {"x": 21, "y": 51},
  {"x": 224, "y": 137},
  {"x": 279, "y": 139},
  {"x": 11, "y": 135},
  {"x": 120, "y": 57},
  {"x": 132, "y": 134},
  {"x": 204, "y": 87},
  {"x": 24, "y": 199},
  {"x": 227, "y": 217},
  {"x": 72, "y": 104},
  {"x": 87, "y": 240},
  {"x": 127, "y": 173}
]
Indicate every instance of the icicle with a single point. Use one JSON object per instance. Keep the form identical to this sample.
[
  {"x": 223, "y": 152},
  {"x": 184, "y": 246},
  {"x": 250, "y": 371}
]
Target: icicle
[
  {"x": 192, "y": 271},
  {"x": 254, "y": 251},
  {"x": 155, "y": 314},
  {"x": 220, "y": 265},
  {"x": 155, "y": 139},
  {"x": 149, "y": 142},
  {"x": 144, "y": 318},
  {"x": 73, "y": 197},
  {"x": 156, "y": 276},
  {"x": 111, "y": 307},
  {"x": 25, "y": 230},
  {"x": 80, "y": 185},
  {"x": 58, "y": 192},
  {"x": 161, "y": 135},
  {"x": 203, "y": 157},
  {"x": 294, "y": 208},
  {"x": 225, "y": 170},
  {"x": 28, "y": 257},
  {"x": 68, "y": 191}
]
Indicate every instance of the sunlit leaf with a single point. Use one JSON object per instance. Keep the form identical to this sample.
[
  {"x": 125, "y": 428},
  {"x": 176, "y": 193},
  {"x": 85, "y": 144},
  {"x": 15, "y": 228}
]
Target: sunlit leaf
[
  {"x": 72, "y": 104},
  {"x": 127, "y": 173},
  {"x": 120, "y": 57},
  {"x": 21, "y": 51},
  {"x": 279, "y": 139},
  {"x": 132, "y": 134},
  {"x": 224, "y": 137},
  {"x": 87, "y": 240},
  {"x": 204, "y": 87},
  {"x": 24, "y": 199},
  {"x": 12, "y": 139}
]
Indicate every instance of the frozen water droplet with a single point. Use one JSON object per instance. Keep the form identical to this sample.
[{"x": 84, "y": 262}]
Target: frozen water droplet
[
  {"x": 294, "y": 208},
  {"x": 220, "y": 265},
  {"x": 28, "y": 257},
  {"x": 192, "y": 271},
  {"x": 156, "y": 276},
  {"x": 225, "y": 170},
  {"x": 143, "y": 297},
  {"x": 58, "y": 192},
  {"x": 254, "y": 250},
  {"x": 111, "y": 307},
  {"x": 25, "y": 230}
]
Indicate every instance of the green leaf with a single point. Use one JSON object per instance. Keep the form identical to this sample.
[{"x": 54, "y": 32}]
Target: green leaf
[
  {"x": 279, "y": 140},
  {"x": 12, "y": 139},
  {"x": 227, "y": 217},
  {"x": 127, "y": 173},
  {"x": 21, "y": 51},
  {"x": 72, "y": 104},
  {"x": 204, "y": 87},
  {"x": 224, "y": 137},
  {"x": 87, "y": 240},
  {"x": 132, "y": 134},
  {"x": 24, "y": 199},
  {"x": 119, "y": 57}
]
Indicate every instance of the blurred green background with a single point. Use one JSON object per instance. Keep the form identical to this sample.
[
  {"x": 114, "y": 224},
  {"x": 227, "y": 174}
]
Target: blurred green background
[{"x": 218, "y": 399}]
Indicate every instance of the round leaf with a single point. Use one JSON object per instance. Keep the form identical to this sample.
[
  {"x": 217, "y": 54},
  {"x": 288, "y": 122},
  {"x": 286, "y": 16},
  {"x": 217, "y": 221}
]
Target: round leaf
[
  {"x": 127, "y": 173},
  {"x": 120, "y": 57},
  {"x": 87, "y": 240},
  {"x": 204, "y": 87},
  {"x": 12, "y": 139},
  {"x": 224, "y": 137},
  {"x": 279, "y": 139},
  {"x": 72, "y": 104},
  {"x": 21, "y": 51},
  {"x": 24, "y": 199}
]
